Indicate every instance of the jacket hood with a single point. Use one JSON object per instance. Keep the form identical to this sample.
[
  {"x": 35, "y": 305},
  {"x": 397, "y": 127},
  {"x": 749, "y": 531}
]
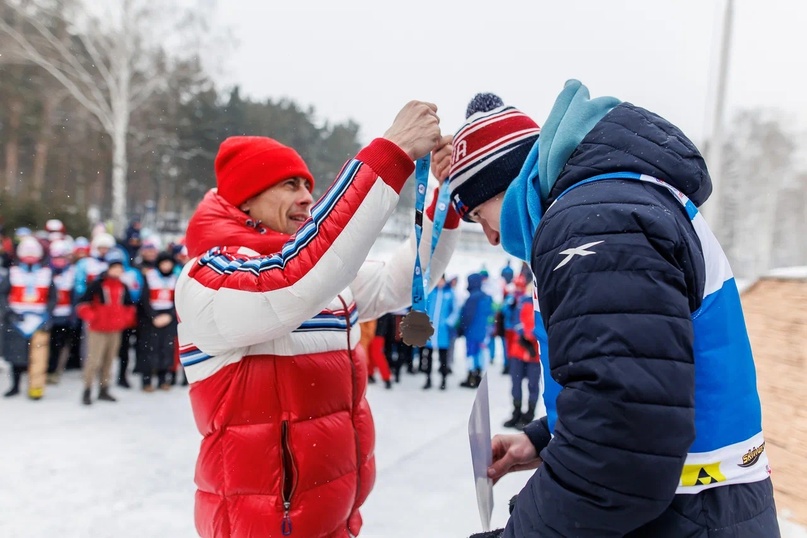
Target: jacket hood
[
  {"x": 474, "y": 282},
  {"x": 218, "y": 223},
  {"x": 632, "y": 139}
]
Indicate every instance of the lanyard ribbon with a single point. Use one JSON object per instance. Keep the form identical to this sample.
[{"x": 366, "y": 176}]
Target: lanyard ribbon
[{"x": 420, "y": 278}]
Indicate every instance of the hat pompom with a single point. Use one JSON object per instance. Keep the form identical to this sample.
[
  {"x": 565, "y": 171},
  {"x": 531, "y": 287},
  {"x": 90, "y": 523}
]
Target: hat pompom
[{"x": 483, "y": 102}]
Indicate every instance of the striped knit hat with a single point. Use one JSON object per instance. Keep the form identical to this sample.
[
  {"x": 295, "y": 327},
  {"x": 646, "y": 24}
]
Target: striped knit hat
[{"x": 489, "y": 151}]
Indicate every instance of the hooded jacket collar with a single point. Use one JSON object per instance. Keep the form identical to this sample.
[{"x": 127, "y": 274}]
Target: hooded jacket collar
[
  {"x": 573, "y": 115},
  {"x": 218, "y": 223},
  {"x": 632, "y": 139}
]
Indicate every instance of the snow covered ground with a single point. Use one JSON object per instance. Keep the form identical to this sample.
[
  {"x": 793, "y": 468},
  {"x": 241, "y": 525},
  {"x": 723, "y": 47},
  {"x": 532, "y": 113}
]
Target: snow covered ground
[{"x": 126, "y": 469}]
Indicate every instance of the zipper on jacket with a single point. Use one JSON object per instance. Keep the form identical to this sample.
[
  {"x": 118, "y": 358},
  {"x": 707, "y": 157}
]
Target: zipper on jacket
[
  {"x": 352, "y": 400},
  {"x": 288, "y": 477}
]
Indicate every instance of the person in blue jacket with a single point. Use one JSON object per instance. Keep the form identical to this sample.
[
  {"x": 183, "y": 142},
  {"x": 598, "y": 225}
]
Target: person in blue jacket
[
  {"x": 443, "y": 313},
  {"x": 474, "y": 325},
  {"x": 654, "y": 424}
]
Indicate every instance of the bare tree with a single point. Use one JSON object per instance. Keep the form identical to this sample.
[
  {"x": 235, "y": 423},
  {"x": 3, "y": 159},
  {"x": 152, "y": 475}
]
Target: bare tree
[{"x": 111, "y": 60}]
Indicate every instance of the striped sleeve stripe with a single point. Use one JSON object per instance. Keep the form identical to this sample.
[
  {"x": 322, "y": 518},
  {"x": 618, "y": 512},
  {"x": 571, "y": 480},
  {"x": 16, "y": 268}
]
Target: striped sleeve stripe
[
  {"x": 190, "y": 355},
  {"x": 222, "y": 263},
  {"x": 193, "y": 356},
  {"x": 319, "y": 212},
  {"x": 330, "y": 321}
]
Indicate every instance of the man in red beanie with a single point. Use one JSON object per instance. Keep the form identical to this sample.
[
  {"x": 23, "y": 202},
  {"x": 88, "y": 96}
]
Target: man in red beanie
[{"x": 269, "y": 310}]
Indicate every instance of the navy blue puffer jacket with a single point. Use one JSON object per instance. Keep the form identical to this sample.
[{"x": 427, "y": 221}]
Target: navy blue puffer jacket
[{"x": 658, "y": 429}]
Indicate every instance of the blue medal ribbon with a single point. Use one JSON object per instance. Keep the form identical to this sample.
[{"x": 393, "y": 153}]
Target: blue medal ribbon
[{"x": 420, "y": 278}]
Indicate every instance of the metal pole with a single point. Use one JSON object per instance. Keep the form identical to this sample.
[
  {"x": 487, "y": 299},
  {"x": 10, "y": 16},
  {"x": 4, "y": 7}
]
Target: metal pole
[{"x": 715, "y": 147}]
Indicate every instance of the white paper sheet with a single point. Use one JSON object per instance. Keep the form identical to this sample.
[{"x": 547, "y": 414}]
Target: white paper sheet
[{"x": 481, "y": 453}]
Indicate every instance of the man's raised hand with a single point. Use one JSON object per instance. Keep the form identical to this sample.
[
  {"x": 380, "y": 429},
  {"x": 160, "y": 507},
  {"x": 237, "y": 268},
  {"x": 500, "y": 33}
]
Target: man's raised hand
[{"x": 416, "y": 129}]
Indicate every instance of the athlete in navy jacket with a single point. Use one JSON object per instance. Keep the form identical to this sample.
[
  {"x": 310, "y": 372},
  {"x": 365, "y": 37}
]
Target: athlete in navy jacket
[{"x": 654, "y": 423}]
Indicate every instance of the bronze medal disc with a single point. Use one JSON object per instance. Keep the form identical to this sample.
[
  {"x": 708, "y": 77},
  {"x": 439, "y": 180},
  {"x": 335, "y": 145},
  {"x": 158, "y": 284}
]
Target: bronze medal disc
[{"x": 416, "y": 328}]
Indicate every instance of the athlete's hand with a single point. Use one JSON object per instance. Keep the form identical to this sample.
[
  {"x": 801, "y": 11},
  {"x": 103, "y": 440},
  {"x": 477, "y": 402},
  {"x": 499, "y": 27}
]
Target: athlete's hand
[{"x": 511, "y": 453}]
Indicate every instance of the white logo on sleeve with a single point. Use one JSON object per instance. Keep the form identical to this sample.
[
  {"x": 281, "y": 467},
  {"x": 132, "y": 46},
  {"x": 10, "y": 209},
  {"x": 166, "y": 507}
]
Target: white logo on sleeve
[{"x": 577, "y": 251}]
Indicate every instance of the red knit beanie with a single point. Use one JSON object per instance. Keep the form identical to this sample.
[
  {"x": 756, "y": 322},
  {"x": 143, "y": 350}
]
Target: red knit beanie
[{"x": 248, "y": 165}]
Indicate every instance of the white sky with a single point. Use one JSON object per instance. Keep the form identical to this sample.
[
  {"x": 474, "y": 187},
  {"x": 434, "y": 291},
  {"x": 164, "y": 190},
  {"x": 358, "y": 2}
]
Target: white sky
[{"x": 364, "y": 59}]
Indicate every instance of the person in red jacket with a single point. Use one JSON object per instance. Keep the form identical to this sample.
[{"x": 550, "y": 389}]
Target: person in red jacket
[
  {"x": 526, "y": 356},
  {"x": 107, "y": 309},
  {"x": 269, "y": 309}
]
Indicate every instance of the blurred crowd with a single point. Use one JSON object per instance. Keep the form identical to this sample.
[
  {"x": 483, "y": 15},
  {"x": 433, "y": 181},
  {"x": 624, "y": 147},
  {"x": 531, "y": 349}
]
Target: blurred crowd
[
  {"x": 495, "y": 318},
  {"x": 95, "y": 303},
  {"x": 89, "y": 303}
]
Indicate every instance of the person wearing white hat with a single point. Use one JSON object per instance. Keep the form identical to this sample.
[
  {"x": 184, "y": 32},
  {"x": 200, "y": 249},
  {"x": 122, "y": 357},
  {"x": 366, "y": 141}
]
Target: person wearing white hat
[
  {"x": 149, "y": 250},
  {"x": 88, "y": 268},
  {"x": 27, "y": 299},
  {"x": 55, "y": 229}
]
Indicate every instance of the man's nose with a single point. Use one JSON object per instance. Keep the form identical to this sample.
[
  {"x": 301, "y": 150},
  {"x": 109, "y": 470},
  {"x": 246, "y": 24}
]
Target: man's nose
[
  {"x": 305, "y": 198},
  {"x": 492, "y": 235}
]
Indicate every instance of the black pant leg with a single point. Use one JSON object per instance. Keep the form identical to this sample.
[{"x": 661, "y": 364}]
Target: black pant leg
[
  {"x": 443, "y": 357},
  {"x": 16, "y": 375},
  {"x": 76, "y": 332},
  {"x": 123, "y": 352},
  {"x": 59, "y": 336}
]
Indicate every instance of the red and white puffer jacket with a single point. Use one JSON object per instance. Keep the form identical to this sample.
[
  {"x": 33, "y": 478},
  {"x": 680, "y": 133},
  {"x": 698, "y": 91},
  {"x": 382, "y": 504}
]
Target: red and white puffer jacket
[{"x": 268, "y": 329}]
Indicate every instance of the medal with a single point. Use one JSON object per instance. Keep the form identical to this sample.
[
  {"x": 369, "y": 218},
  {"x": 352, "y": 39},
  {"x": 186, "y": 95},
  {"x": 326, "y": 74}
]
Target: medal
[{"x": 416, "y": 328}]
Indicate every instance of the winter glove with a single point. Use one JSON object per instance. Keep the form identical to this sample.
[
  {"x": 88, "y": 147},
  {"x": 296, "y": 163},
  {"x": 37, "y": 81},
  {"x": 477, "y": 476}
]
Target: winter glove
[
  {"x": 85, "y": 312},
  {"x": 490, "y": 534}
]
